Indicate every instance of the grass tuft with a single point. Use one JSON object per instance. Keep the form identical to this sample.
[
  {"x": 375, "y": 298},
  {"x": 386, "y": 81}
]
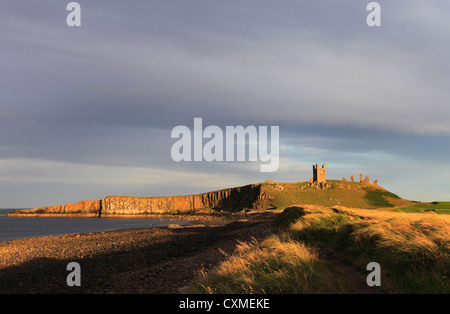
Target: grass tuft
[{"x": 275, "y": 265}]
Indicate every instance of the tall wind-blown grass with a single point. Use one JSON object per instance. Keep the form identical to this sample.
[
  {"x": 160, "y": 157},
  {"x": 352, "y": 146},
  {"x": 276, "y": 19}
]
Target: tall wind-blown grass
[
  {"x": 413, "y": 251},
  {"x": 273, "y": 266}
]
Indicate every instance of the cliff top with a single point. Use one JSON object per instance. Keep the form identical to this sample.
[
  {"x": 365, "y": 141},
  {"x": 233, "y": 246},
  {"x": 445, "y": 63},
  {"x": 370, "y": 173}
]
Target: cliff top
[{"x": 261, "y": 196}]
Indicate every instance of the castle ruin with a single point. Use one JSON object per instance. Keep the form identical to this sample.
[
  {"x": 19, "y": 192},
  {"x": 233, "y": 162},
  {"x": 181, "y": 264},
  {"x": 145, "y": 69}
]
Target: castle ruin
[
  {"x": 319, "y": 178},
  {"x": 366, "y": 180},
  {"x": 319, "y": 174}
]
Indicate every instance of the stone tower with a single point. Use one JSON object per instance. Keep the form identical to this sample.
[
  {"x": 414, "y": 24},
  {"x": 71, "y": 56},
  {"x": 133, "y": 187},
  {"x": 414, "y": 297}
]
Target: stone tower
[{"x": 319, "y": 174}]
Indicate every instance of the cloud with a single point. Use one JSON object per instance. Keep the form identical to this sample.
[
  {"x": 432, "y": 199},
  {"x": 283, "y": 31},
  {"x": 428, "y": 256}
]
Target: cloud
[
  {"x": 108, "y": 94},
  {"x": 295, "y": 70}
]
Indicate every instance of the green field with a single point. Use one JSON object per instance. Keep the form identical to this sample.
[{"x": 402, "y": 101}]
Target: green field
[{"x": 436, "y": 207}]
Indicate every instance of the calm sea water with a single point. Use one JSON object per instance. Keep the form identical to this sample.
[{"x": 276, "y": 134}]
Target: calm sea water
[{"x": 12, "y": 228}]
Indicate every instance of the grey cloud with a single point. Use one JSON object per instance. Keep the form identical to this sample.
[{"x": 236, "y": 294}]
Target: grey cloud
[
  {"x": 295, "y": 70},
  {"x": 110, "y": 92}
]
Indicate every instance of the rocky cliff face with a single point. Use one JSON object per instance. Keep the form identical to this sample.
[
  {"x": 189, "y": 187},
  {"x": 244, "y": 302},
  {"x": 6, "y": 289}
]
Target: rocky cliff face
[
  {"x": 248, "y": 196},
  {"x": 91, "y": 208}
]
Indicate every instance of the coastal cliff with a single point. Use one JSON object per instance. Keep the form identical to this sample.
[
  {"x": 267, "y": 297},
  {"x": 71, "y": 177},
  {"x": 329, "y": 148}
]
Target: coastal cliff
[
  {"x": 267, "y": 195},
  {"x": 248, "y": 196},
  {"x": 227, "y": 199},
  {"x": 82, "y": 208}
]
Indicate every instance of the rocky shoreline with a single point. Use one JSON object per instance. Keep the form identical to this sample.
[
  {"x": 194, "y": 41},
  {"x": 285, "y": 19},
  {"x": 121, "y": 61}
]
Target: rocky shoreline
[{"x": 146, "y": 260}]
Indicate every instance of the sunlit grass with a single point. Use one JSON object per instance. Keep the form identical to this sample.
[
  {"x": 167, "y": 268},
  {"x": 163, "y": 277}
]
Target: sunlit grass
[
  {"x": 273, "y": 266},
  {"x": 413, "y": 250}
]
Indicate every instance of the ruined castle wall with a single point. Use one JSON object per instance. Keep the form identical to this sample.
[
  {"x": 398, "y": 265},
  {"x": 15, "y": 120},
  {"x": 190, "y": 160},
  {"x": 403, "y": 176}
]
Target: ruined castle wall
[{"x": 319, "y": 174}]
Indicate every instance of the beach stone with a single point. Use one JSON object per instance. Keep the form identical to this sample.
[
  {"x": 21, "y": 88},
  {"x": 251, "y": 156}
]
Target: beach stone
[{"x": 174, "y": 226}]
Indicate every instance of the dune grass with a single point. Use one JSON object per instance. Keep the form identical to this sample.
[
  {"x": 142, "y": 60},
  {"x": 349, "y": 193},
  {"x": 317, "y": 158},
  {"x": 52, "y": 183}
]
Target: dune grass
[
  {"x": 412, "y": 249},
  {"x": 276, "y": 265}
]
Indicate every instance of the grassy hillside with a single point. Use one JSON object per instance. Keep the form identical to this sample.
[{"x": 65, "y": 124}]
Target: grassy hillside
[
  {"x": 348, "y": 194},
  {"x": 308, "y": 254}
]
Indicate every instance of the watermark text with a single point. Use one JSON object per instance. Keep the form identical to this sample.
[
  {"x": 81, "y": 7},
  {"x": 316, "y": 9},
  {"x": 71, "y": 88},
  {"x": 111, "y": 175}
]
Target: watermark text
[{"x": 227, "y": 146}]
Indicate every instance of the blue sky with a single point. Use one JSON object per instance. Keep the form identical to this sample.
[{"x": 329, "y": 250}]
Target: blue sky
[{"x": 87, "y": 112}]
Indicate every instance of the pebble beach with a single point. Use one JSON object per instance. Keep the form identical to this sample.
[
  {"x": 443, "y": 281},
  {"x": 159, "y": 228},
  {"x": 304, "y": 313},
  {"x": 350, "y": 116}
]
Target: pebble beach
[{"x": 160, "y": 260}]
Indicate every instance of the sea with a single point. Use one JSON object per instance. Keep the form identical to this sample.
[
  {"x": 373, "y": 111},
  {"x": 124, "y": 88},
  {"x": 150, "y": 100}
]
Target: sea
[{"x": 13, "y": 228}]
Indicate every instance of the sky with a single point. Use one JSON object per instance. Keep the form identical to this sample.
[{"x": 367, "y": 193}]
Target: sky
[{"x": 87, "y": 112}]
